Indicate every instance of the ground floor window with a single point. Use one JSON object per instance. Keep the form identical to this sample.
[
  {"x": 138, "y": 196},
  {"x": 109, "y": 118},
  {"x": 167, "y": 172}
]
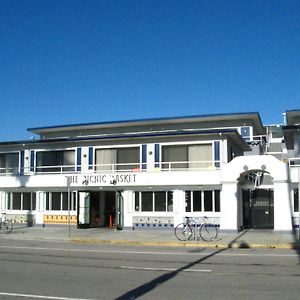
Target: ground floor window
[
  {"x": 59, "y": 201},
  {"x": 201, "y": 201},
  {"x": 21, "y": 201},
  {"x": 296, "y": 200},
  {"x": 154, "y": 201}
]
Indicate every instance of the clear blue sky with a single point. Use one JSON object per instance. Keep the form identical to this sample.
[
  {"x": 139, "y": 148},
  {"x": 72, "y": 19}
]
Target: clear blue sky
[{"x": 68, "y": 62}]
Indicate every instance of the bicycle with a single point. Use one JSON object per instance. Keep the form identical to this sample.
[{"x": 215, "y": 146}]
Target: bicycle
[
  {"x": 6, "y": 226},
  {"x": 187, "y": 230}
]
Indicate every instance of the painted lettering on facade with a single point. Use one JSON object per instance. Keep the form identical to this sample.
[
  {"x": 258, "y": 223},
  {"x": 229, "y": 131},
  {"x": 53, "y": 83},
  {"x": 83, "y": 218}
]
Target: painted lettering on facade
[{"x": 102, "y": 179}]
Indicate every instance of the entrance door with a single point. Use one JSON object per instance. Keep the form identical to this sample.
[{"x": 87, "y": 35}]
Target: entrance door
[
  {"x": 119, "y": 211},
  {"x": 258, "y": 209},
  {"x": 83, "y": 215}
]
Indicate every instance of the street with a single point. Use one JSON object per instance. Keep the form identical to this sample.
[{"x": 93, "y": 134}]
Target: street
[{"x": 64, "y": 270}]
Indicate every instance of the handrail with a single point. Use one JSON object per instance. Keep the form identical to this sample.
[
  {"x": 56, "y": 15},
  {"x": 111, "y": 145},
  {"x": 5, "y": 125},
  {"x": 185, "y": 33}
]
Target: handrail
[{"x": 122, "y": 167}]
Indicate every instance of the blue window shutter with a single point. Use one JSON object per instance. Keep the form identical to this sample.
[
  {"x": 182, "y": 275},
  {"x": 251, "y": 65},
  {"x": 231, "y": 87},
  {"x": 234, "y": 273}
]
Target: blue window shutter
[
  {"x": 144, "y": 156},
  {"x": 217, "y": 153},
  {"x": 22, "y": 153},
  {"x": 78, "y": 159},
  {"x": 32, "y": 161},
  {"x": 91, "y": 158},
  {"x": 157, "y": 154}
]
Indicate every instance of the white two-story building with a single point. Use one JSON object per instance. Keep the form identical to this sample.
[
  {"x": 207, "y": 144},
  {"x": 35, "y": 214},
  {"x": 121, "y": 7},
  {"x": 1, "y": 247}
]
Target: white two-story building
[{"x": 152, "y": 173}]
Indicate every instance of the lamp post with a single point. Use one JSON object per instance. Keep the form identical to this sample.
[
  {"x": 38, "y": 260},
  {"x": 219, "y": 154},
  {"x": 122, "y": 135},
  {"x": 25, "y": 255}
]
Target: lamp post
[
  {"x": 299, "y": 203},
  {"x": 69, "y": 206}
]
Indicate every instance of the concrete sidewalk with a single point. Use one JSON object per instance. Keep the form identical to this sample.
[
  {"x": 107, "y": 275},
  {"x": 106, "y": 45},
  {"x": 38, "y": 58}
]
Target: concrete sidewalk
[{"x": 149, "y": 237}]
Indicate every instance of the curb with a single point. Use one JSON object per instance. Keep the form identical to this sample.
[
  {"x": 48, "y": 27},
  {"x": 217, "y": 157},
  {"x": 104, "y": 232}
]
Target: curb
[{"x": 290, "y": 246}]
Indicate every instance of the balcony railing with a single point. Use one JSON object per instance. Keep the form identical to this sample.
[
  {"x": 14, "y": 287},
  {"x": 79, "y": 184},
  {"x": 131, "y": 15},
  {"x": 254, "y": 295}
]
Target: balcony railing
[{"x": 112, "y": 168}]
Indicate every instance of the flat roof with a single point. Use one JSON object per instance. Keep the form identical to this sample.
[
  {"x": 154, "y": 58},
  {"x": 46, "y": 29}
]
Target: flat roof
[
  {"x": 153, "y": 121},
  {"x": 292, "y": 116}
]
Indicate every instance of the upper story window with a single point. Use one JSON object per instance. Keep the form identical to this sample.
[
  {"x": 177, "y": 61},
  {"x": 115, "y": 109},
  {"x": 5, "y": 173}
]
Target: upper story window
[
  {"x": 246, "y": 133},
  {"x": 117, "y": 159},
  {"x": 9, "y": 163},
  {"x": 197, "y": 156},
  {"x": 55, "y": 161}
]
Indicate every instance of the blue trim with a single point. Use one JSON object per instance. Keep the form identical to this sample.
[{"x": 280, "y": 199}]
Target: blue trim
[
  {"x": 22, "y": 163},
  {"x": 78, "y": 160},
  {"x": 144, "y": 157},
  {"x": 91, "y": 157},
  {"x": 32, "y": 161},
  {"x": 157, "y": 154},
  {"x": 217, "y": 153}
]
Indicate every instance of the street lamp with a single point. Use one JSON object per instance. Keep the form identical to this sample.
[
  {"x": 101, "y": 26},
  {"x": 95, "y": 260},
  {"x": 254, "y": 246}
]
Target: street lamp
[{"x": 69, "y": 206}]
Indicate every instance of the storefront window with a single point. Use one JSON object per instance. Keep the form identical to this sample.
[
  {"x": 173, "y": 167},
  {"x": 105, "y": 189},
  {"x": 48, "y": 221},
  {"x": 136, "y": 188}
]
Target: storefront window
[
  {"x": 296, "y": 200},
  {"x": 160, "y": 201},
  {"x": 56, "y": 198},
  {"x": 16, "y": 201},
  {"x": 153, "y": 201},
  {"x": 208, "y": 201},
  {"x": 201, "y": 201},
  {"x": 26, "y": 201},
  {"x": 147, "y": 201}
]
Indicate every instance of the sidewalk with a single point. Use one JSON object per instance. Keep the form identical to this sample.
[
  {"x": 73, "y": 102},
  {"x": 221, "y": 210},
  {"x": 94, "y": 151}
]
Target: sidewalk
[{"x": 149, "y": 237}]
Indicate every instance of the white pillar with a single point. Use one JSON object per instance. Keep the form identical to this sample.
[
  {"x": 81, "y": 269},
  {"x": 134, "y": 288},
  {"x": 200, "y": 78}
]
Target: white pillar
[
  {"x": 229, "y": 207},
  {"x": 282, "y": 207}
]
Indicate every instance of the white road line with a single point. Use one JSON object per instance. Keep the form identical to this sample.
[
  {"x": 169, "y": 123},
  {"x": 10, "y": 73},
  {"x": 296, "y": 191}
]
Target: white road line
[
  {"x": 40, "y": 296},
  {"x": 164, "y": 269},
  {"x": 152, "y": 252}
]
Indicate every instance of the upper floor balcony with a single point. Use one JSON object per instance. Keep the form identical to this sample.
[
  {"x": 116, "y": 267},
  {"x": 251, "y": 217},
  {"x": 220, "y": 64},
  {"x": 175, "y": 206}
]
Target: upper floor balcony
[{"x": 167, "y": 166}]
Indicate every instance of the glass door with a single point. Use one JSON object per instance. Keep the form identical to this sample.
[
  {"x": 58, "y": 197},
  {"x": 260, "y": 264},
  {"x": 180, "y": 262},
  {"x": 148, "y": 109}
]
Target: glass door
[
  {"x": 119, "y": 211},
  {"x": 83, "y": 217}
]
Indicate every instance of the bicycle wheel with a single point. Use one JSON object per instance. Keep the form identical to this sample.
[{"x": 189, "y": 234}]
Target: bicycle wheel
[
  {"x": 208, "y": 232},
  {"x": 183, "y": 232},
  {"x": 7, "y": 226}
]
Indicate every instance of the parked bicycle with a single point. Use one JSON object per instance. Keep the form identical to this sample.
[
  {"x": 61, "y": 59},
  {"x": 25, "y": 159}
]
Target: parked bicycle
[
  {"x": 6, "y": 226},
  {"x": 193, "y": 229}
]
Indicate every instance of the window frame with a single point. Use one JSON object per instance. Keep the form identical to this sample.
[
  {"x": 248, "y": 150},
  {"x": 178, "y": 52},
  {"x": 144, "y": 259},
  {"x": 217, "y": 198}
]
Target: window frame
[
  {"x": 168, "y": 201},
  {"x": 190, "y": 201},
  {"x": 167, "y": 165}
]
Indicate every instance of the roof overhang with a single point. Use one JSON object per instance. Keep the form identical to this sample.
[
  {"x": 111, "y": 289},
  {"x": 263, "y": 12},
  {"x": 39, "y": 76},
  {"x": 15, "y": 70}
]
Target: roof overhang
[
  {"x": 254, "y": 116},
  {"x": 229, "y": 133}
]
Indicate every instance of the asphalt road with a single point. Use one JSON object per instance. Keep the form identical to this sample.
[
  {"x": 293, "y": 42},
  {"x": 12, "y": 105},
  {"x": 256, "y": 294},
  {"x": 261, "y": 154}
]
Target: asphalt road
[{"x": 62, "y": 270}]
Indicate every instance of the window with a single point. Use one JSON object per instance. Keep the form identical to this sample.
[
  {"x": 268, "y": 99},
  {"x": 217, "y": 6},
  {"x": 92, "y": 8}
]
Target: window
[
  {"x": 296, "y": 200},
  {"x": 55, "y": 161},
  {"x": 16, "y": 197},
  {"x": 21, "y": 201},
  {"x": 59, "y": 201},
  {"x": 187, "y": 156},
  {"x": 153, "y": 201},
  {"x": 147, "y": 201},
  {"x": 245, "y": 133},
  {"x": 202, "y": 201},
  {"x": 120, "y": 159},
  {"x": 9, "y": 163}
]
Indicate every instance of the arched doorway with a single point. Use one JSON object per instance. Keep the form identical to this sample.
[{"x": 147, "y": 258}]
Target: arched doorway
[{"x": 257, "y": 200}]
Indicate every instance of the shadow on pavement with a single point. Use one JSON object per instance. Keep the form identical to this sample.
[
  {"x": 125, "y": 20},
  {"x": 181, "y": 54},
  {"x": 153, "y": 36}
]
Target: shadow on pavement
[{"x": 149, "y": 286}]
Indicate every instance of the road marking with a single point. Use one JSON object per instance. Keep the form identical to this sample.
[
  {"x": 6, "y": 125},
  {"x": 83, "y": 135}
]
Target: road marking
[
  {"x": 164, "y": 269},
  {"x": 154, "y": 252},
  {"x": 41, "y": 296}
]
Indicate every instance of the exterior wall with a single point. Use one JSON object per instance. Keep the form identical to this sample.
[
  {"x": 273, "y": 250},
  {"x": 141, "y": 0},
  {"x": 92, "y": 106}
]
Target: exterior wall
[{"x": 231, "y": 195}]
